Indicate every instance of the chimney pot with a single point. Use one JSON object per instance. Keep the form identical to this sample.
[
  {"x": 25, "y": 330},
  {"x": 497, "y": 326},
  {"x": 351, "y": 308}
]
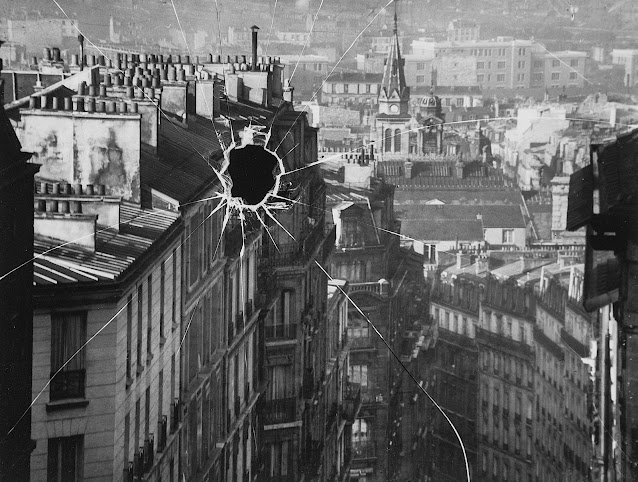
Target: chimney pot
[
  {"x": 56, "y": 54},
  {"x": 91, "y": 60},
  {"x": 122, "y": 107},
  {"x": 210, "y": 58},
  {"x": 110, "y": 106},
  {"x": 55, "y": 103},
  {"x": 76, "y": 207},
  {"x": 90, "y": 104},
  {"x": 32, "y": 102},
  {"x": 139, "y": 93},
  {"x": 107, "y": 80},
  {"x": 155, "y": 82},
  {"x": 181, "y": 75},
  {"x": 55, "y": 188},
  {"x": 102, "y": 90},
  {"x": 89, "y": 189},
  {"x": 43, "y": 102},
  {"x": 99, "y": 106},
  {"x": 46, "y": 53},
  {"x": 42, "y": 205},
  {"x": 186, "y": 59},
  {"x": 101, "y": 60},
  {"x": 172, "y": 74},
  {"x": 101, "y": 189},
  {"x": 34, "y": 60},
  {"x": 63, "y": 207},
  {"x": 67, "y": 103},
  {"x": 130, "y": 92},
  {"x": 77, "y": 189},
  {"x": 92, "y": 90},
  {"x": 82, "y": 88}
]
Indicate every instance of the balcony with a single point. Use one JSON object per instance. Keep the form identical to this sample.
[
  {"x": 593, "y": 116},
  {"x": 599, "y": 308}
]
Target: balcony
[
  {"x": 364, "y": 450},
  {"x": 282, "y": 410},
  {"x": 281, "y": 332},
  {"x": 351, "y": 401},
  {"x": 67, "y": 384}
]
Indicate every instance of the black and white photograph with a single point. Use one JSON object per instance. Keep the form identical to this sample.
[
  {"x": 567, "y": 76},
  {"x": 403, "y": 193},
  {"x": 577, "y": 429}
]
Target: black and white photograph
[{"x": 319, "y": 240}]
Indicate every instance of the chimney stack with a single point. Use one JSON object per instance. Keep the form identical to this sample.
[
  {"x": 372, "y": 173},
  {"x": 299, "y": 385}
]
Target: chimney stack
[
  {"x": 254, "y": 29},
  {"x": 288, "y": 91}
]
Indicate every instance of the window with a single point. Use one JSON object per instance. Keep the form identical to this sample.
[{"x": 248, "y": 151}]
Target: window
[
  {"x": 194, "y": 257},
  {"x": 480, "y": 65},
  {"x": 149, "y": 318},
  {"x": 500, "y": 65},
  {"x": 480, "y": 77},
  {"x": 360, "y": 431},
  {"x": 537, "y": 77},
  {"x": 459, "y": 102},
  {"x": 129, "y": 334},
  {"x": 162, "y": 289},
  {"x": 420, "y": 79},
  {"x": 573, "y": 75},
  {"x": 521, "y": 64},
  {"x": 555, "y": 75},
  {"x": 68, "y": 334},
  {"x": 387, "y": 141},
  {"x": 420, "y": 65},
  {"x": 520, "y": 77},
  {"x": 280, "y": 460},
  {"x": 508, "y": 236},
  {"x": 573, "y": 63},
  {"x": 64, "y": 460},
  {"x": 555, "y": 63},
  {"x": 500, "y": 77},
  {"x": 359, "y": 374},
  {"x": 397, "y": 140},
  {"x": 522, "y": 51},
  {"x": 538, "y": 64},
  {"x": 140, "y": 304}
]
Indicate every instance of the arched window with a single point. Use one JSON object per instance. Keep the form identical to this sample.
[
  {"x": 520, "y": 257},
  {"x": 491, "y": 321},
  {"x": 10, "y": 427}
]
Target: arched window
[
  {"x": 397, "y": 140},
  {"x": 387, "y": 140}
]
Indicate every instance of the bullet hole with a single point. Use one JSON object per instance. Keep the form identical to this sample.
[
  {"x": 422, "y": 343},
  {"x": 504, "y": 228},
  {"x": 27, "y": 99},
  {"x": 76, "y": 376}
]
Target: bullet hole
[{"x": 252, "y": 171}]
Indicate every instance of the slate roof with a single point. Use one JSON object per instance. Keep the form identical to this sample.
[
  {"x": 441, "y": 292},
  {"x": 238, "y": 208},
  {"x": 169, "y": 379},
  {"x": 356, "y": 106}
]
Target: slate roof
[
  {"x": 442, "y": 230},
  {"x": 115, "y": 251},
  {"x": 493, "y": 215},
  {"x": 459, "y": 196}
]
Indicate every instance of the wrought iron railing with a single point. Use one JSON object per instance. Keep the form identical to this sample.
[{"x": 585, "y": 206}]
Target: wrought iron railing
[
  {"x": 280, "y": 410},
  {"x": 279, "y": 332}
]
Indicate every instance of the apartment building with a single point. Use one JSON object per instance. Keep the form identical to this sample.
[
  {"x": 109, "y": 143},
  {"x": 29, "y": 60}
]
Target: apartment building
[
  {"x": 629, "y": 59},
  {"x": 532, "y": 400},
  {"x": 454, "y": 310},
  {"x": 159, "y": 326},
  {"x": 368, "y": 256},
  {"x": 16, "y": 302}
]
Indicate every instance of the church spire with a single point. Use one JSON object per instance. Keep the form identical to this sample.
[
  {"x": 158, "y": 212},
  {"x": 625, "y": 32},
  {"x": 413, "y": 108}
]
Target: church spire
[{"x": 393, "y": 86}]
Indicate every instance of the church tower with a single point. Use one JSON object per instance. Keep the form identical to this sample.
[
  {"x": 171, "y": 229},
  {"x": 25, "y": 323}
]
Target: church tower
[{"x": 393, "y": 119}]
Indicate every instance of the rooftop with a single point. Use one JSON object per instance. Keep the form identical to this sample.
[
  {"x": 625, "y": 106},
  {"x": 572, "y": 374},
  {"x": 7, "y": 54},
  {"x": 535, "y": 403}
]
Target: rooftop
[{"x": 57, "y": 263}]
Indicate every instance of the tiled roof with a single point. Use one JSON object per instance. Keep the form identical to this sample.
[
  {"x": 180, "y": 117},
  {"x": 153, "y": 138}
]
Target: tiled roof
[
  {"x": 114, "y": 251},
  {"x": 182, "y": 167}
]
